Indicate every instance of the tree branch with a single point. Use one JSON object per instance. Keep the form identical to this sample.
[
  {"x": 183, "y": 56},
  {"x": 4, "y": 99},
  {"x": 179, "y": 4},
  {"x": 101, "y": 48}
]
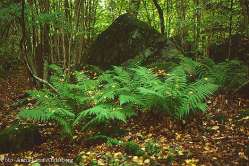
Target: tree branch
[{"x": 38, "y": 78}]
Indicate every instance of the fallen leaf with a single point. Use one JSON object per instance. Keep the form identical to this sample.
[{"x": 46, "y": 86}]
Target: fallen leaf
[{"x": 215, "y": 127}]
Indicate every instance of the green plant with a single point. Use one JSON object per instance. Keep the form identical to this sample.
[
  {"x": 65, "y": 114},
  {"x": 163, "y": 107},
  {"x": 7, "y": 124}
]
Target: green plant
[
  {"x": 49, "y": 108},
  {"x": 228, "y": 75},
  {"x": 152, "y": 148},
  {"x": 94, "y": 163},
  {"x": 113, "y": 142},
  {"x": 132, "y": 148},
  {"x": 115, "y": 96},
  {"x": 123, "y": 91},
  {"x": 231, "y": 74}
]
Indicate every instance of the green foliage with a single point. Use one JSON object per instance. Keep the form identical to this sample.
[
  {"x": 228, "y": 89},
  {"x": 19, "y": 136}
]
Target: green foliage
[
  {"x": 132, "y": 148},
  {"x": 10, "y": 37},
  {"x": 49, "y": 107},
  {"x": 152, "y": 148},
  {"x": 113, "y": 142},
  {"x": 100, "y": 138},
  {"x": 94, "y": 163},
  {"x": 122, "y": 91},
  {"x": 8, "y": 10},
  {"x": 229, "y": 74},
  {"x": 115, "y": 96},
  {"x": 103, "y": 113}
]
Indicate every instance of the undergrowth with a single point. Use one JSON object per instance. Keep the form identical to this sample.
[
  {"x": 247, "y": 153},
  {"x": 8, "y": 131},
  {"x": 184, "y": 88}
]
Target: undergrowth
[{"x": 116, "y": 95}]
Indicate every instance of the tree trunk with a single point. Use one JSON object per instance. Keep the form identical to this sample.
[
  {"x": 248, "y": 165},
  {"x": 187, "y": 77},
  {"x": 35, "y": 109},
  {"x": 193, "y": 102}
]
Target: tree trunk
[
  {"x": 160, "y": 12},
  {"x": 46, "y": 46},
  {"x": 197, "y": 26},
  {"x": 245, "y": 19},
  {"x": 230, "y": 28}
]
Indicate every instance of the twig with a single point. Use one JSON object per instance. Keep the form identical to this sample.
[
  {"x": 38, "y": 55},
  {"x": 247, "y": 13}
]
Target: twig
[{"x": 38, "y": 78}]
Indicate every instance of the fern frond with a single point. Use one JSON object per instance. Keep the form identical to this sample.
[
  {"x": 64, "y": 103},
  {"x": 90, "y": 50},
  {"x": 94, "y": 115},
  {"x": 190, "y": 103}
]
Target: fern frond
[
  {"x": 36, "y": 114},
  {"x": 195, "y": 95},
  {"x": 103, "y": 113},
  {"x": 124, "y": 99}
]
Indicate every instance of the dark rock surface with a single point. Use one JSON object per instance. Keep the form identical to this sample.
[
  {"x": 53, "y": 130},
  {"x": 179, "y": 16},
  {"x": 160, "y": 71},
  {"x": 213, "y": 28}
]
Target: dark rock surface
[{"x": 126, "y": 39}]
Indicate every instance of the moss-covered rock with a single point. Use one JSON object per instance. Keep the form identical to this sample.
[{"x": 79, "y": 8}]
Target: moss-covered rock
[
  {"x": 19, "y": 137},
  {"x": 129, "y": 38}
]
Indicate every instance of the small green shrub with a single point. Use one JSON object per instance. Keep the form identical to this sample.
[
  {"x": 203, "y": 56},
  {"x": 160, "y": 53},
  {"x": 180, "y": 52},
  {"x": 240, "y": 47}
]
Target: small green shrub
[
  {"x": 132, "y": 148},
  {"x": 113, "y": 142},
  {"x": 152, "y": 148},
  {"x": 94, "y": 163}
]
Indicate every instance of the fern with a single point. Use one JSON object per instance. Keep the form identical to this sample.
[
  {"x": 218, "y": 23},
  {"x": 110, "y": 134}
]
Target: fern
[
  {"x": 104, "y": 113},
  {"x": 117, "y": 94},
  {"x": 139, "y": 87},
  {"x": 49, "y": 108},
  {"x": 194, "y": 95},
  {"x": 228, "y": 75},
  {"x": 175, "y": 91}
]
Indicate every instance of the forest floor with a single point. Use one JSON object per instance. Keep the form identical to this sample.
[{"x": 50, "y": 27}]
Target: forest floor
[{"x": 218, "y": 137}]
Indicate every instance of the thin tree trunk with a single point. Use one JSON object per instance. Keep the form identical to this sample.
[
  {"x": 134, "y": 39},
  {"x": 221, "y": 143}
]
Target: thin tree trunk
[
  {"x": 197, "y": 27},
  {"x": 244, "y": 23},
  {"x": 46, "y": 46},
  {"x": 160, "y": 12},
  {"x": 230, "y": 29}
]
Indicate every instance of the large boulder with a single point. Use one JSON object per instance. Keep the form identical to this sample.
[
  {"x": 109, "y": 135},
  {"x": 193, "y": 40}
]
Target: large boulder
[
  {"x": 19, "y": 137},
  {"x": 127, "y": 38}
]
